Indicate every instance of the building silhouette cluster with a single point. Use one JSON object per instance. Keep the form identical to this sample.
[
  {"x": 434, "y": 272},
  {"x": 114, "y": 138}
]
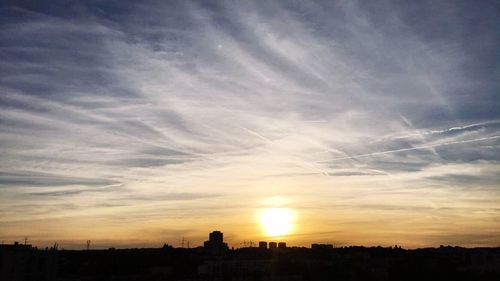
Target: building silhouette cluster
[
  {"x": 25, "y": 262},
  {"x": 272, "y": 245},
  {"x": 269, "y": 261},
  {"x": 321, "y": 246}
]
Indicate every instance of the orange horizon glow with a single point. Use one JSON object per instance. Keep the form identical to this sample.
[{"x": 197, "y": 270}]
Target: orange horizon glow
[{"x": 279, "y": 219}]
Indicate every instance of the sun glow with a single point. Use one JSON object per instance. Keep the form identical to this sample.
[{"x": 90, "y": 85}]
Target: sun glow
[{"x": 276, "y": 221}]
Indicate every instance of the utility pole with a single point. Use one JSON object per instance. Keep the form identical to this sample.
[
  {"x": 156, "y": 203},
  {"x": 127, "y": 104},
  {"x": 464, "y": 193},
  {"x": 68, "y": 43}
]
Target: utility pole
[
  {"x": 88, "y": 244},
  {"x": 25, "y": 240}
]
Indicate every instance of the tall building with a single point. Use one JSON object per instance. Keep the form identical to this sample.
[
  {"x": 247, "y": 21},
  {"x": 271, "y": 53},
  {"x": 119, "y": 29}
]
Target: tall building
[
  {"x": 262, "y": 245},
  {"x": 273, "y": 245},
  {"x": 215, "y": 244},
  {"x": 281, "y": 245},
  {"x": 216, "y": 237}
]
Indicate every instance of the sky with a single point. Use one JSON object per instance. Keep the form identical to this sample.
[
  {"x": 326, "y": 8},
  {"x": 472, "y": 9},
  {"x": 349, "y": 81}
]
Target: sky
[{"x": 137, "y": 123}]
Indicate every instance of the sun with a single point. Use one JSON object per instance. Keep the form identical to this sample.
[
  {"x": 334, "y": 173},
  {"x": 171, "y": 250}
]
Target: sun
[{"x": 277, "y": 221}]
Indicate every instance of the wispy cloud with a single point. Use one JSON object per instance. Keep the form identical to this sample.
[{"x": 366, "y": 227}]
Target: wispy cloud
[
  {"x": 412, "y": 148},
  {"x": 184, "y": 107}
]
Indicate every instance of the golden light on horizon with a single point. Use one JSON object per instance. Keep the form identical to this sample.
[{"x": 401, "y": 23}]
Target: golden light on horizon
[{"x": 277, "y": 221}]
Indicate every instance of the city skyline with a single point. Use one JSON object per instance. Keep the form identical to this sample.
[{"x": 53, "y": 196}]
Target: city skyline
[
  {"x": 133, "y": 124},
  {"x": 216, "y": 244}
]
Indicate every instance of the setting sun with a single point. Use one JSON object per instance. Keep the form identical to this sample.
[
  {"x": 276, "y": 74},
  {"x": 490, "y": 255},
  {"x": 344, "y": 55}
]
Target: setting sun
[{"x": 276, "y": 221}]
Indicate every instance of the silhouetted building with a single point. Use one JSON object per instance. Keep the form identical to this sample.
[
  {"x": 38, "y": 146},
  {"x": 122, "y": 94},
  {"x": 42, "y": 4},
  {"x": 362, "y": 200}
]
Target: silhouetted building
[
  {"x": 215, "y": 244},
  {"x": 24, "y": 262},
  {"x": 273, "y": 245},
  {"x": 354, "y": 263},
  {"x": 321, "y": 246},
  {"x": 216, "y": 237},
  {"x": 263, "y": 245},
  {"x": 281, "y": 245}
]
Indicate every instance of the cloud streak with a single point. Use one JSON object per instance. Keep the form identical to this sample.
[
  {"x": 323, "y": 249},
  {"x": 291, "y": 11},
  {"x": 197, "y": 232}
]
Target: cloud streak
[
  {"x": 412, "y": 148},
  {"x": 195, "y": 112}
]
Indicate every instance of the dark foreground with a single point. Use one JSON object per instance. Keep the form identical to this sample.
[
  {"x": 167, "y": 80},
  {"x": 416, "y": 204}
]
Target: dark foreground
[{"x": 19, "y": 262}]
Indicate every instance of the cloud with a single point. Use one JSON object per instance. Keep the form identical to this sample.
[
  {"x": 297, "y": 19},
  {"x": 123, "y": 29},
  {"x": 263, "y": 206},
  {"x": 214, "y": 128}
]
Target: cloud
[
  {"x": 42, "y": 179},
  {"x": 191, "y": 105},
  {"x": 414, "y": 148}
]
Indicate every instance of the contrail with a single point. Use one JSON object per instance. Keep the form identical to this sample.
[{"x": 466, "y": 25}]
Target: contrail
[
  {"x": 458, "y": 128},
  {"x": 315, "y": 121},
  {"x": 452, "y": 129},
  {"x": 408, "y": 149},
  {"x": 311, "y": 165},
  {"x": 255, "y": 134}
]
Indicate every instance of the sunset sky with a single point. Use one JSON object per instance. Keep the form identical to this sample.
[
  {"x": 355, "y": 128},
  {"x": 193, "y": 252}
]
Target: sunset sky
[{"x": 137, "y": 123}]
